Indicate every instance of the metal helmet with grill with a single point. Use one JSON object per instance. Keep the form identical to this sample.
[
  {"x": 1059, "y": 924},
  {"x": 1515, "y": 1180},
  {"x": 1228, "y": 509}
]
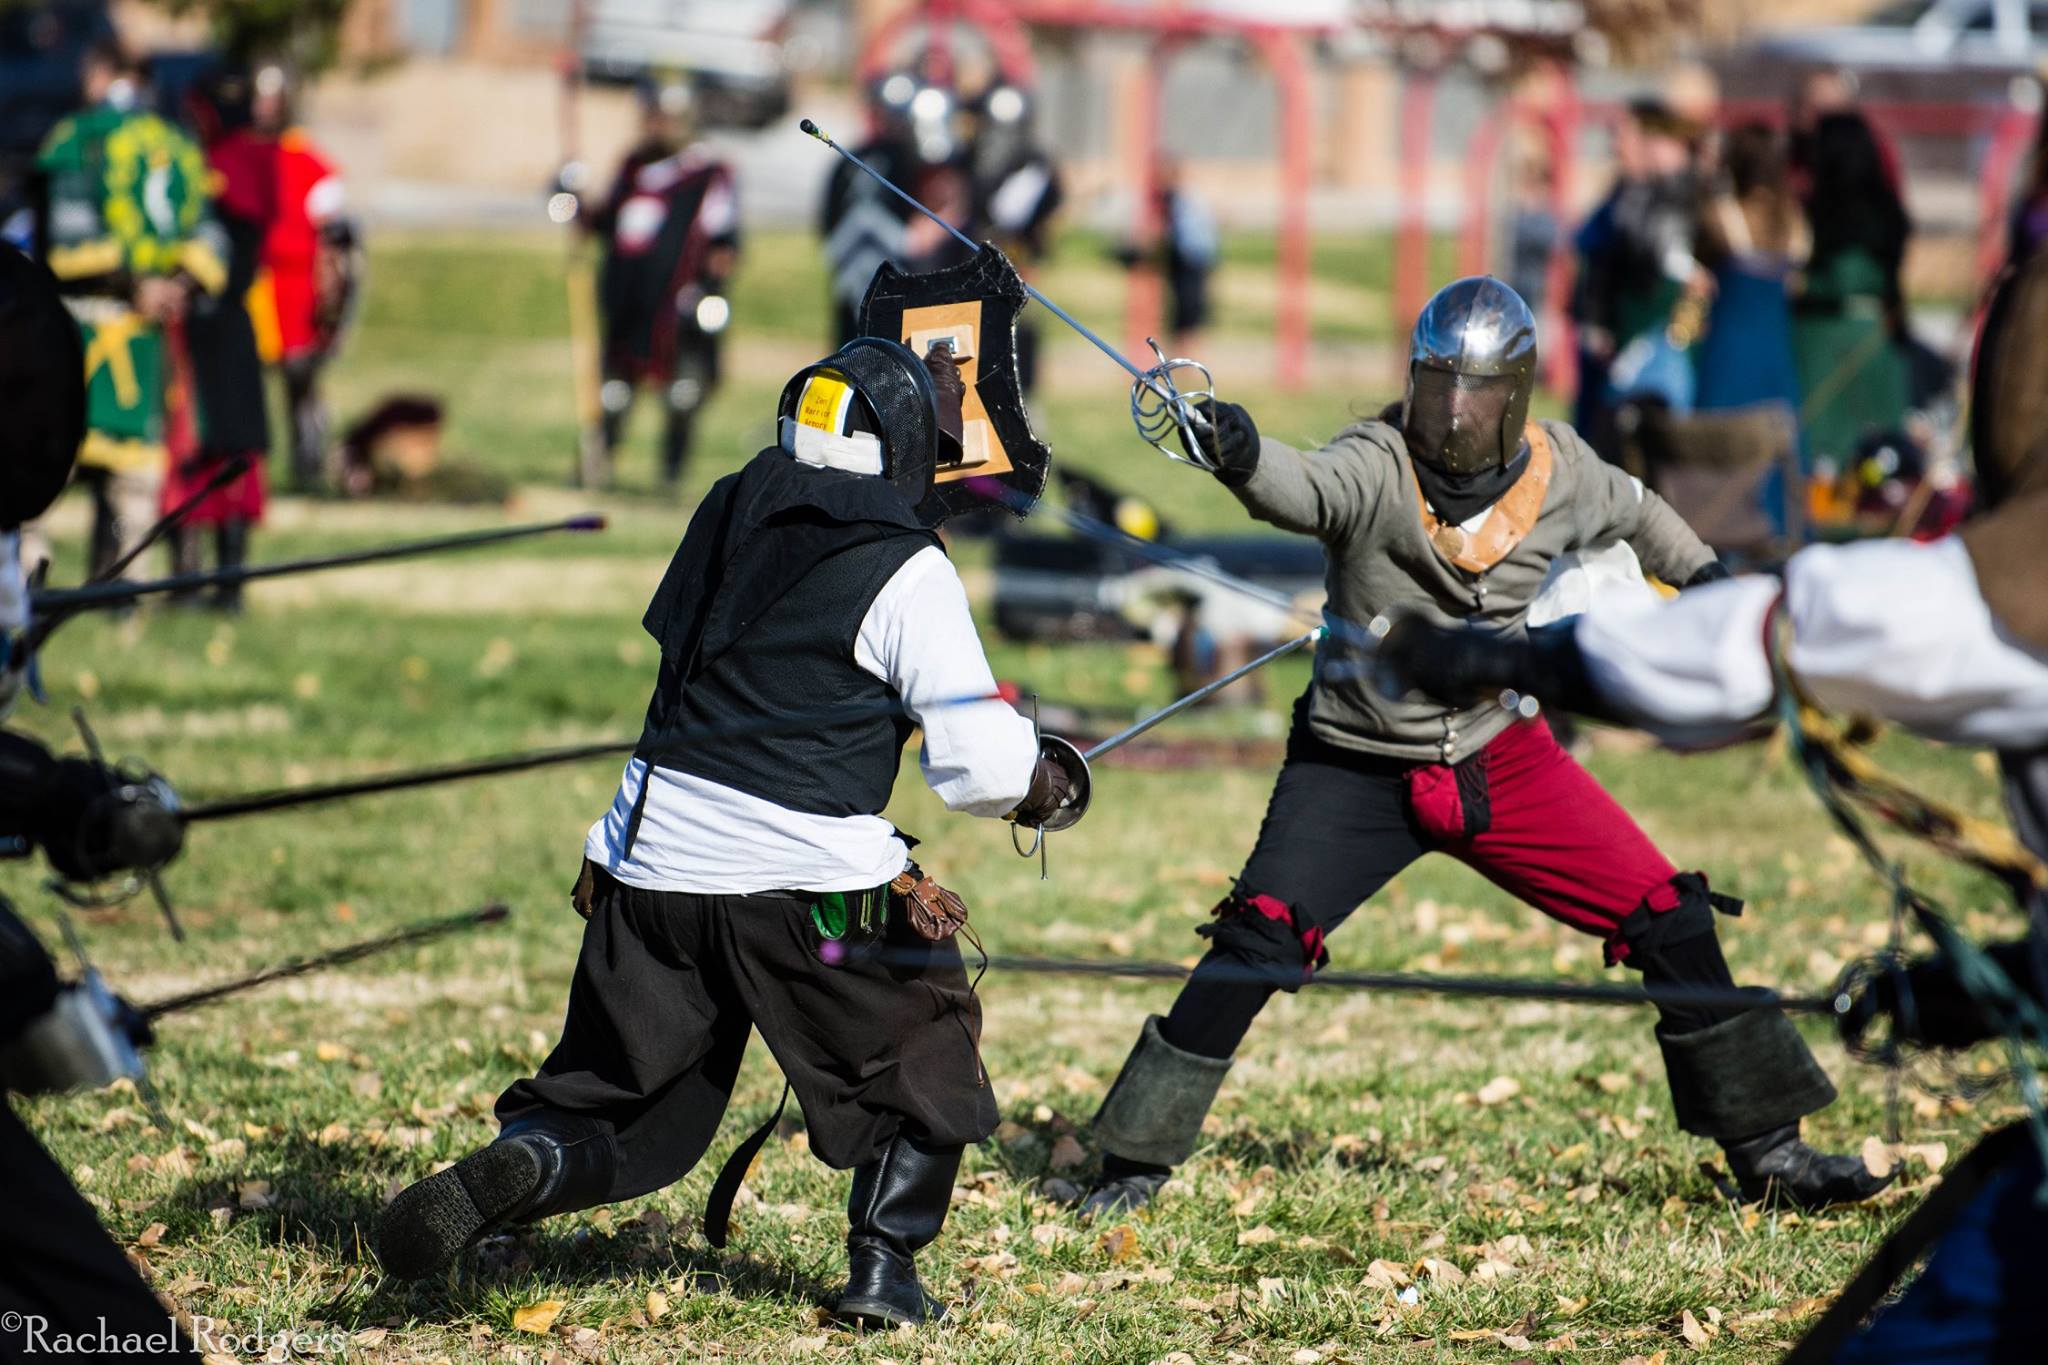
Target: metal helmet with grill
[{"x": 1471, "y": 367}]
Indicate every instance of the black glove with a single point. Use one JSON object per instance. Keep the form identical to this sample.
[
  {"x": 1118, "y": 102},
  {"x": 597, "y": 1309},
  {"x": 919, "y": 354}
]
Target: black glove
[
  {"x": 98, "y": 821},
  {"x": 1925, "y": 1002},
  {"x": 1460, "y": 665},
  {"x": 1713, "y": 571},
  {"x": 1229, "y": 439},
  {"x": 944, "y": 368}
]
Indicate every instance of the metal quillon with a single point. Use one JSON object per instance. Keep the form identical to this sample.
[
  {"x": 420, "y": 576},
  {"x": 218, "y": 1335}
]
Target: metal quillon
[{"x": 1159, "y": 407}]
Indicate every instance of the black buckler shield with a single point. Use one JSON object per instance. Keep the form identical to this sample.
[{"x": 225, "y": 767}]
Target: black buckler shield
[{"x": 975, "y": 306}]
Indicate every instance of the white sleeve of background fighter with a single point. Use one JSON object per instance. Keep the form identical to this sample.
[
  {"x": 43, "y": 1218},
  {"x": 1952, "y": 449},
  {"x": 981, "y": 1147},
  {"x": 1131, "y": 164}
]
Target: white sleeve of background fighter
[
  {"x": 1695, "y": 661},
  {"x": 1899, "y": 629},
  {"x": 1890, "y": 628},
  {"x": 919, "y": 637}
]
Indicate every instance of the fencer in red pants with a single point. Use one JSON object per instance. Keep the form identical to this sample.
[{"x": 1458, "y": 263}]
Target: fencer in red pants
[{"x": 1452, "y": 508}]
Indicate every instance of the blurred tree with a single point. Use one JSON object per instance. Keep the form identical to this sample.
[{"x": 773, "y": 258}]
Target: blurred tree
[{"x": 302, "y": 33}]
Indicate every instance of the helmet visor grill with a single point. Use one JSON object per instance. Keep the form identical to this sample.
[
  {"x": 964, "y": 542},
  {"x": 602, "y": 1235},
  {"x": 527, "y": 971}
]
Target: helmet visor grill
[{"x": 1454, "y": 421}]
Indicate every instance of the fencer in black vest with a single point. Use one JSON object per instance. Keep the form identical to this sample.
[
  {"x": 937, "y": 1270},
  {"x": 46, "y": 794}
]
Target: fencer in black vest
[{"x": 742, "y": 878}]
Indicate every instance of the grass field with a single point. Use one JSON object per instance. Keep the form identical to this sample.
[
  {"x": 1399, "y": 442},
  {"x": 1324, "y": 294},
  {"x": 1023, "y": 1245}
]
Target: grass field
[{"x": 1383, "y": 1178}]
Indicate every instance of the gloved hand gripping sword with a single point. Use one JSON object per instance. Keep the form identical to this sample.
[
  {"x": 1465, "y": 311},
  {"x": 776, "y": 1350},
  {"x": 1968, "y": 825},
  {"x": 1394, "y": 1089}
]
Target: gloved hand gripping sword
[{"x": 1160, "y": 407}]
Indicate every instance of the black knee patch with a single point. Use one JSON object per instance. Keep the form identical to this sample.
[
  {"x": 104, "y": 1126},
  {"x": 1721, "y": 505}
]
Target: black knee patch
[
  {"x": 1266, "y": 931},
  {"x": 1677, "y": 910}
]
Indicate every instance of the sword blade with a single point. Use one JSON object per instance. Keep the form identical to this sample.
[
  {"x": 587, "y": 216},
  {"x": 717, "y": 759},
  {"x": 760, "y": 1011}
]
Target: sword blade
[
  {"x": 1174, "y": 708},
  {"x": 110, "y": 594},
  {"x": 1429, "y": 983},
  {"x": 354, "y": 952},
  {"x": 1062, "y": 314},
  {"x": 257, "y": 803}
]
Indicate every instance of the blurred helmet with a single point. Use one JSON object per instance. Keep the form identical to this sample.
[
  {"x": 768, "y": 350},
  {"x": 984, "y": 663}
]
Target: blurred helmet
[
  {"x": 1471, "y": 368},
  {"x": 871, "y": 408},
  {"x": 42, "y": 389}
]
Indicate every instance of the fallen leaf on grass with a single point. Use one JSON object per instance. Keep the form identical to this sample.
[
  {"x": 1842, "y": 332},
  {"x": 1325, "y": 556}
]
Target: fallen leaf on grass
[
  {"x": 1271, "y": 1287},
  {"x": 1387, "y": 1274},
  {"x": 1499, "y": 1090},
  {"x": 370, "y": 1336},
  {"x": 809, "y": 1345},
  {"x": 1695, "y": 1335},
  {"x": 1120, "y": 1243},
  {"x": 1305, "y": 1356},
  {"x": 151, "y": 1235},
  {"x": 1492, "y": 1270},
  {"x": 254, "y": 1194},
  {"x": 1568, "y": 1308},
  {"x": 1257, "y": 1236},
  {"x": 537, "y": 1318},
  {"x": 1442, "y": 1271},
  {"x": 657, "y": 1305},
  {"x": 1877, "y": 1157}
]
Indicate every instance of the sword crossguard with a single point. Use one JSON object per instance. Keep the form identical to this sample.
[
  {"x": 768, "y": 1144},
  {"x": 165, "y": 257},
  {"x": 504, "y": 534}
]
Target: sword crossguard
[{"x": 1162, "y": 408}]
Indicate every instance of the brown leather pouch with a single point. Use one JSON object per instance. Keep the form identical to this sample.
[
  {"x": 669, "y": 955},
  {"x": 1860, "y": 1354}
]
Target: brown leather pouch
[{"x": 935, "y": 913}]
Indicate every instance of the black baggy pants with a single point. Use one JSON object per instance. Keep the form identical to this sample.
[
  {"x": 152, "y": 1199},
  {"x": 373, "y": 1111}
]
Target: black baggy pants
[
  {"x": 61, "y": 1274},
  {"x": 875, "y": 1034}
]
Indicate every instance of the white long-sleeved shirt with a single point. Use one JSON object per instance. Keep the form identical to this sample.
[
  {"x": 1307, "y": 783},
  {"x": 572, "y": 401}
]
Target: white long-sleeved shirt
[
  {"x": 699, "y": 836},
  {"x": 1892, "y": 628}
]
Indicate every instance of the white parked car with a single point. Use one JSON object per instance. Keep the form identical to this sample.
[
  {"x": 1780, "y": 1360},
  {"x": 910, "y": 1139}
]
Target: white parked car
[{"x": 1909, "y": 35}]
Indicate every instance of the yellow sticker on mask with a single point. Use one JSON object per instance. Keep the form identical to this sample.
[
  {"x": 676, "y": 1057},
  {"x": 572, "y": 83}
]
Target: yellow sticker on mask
[{"x": 822, "y": 405}]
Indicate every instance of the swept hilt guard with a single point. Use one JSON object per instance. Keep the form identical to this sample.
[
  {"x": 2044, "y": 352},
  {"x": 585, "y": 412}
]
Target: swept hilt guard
[{"x": 1161, "y": 408}]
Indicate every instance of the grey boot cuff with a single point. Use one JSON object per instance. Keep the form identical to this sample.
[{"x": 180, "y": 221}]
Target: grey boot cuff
[
  {"x": 1154, "y": 1112},
  {"x": 1743, "y": 1075}
]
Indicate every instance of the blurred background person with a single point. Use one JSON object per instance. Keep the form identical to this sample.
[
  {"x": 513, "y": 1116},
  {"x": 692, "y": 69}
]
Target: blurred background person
[
  {"x": 1018, "y": 192},
  {"x": 861, "y": 224},
  {"x": 670, "y": 229},
  {"x": 131, "y": 243},
  {"x": 219, "y": 415},
  {"x": 1751, "y": 232},
  {"x": 1187, "y": 250},
  {"x": 1533, "y": 232},
  {"x": 311, "y": 267},
  {"x": 1852, "y": 374},
  {"x": 1640, "y": 287}
]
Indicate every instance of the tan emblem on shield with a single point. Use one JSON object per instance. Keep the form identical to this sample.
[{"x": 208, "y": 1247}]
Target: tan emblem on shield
[{"x": 981, "y": 449}]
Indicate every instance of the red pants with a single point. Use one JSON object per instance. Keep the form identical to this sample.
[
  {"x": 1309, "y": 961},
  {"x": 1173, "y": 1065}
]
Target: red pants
[
  {"x": 1521, "y": 812},
  {"x": 1550, "y": 834},
  {"x": 1341, "y": 824}
]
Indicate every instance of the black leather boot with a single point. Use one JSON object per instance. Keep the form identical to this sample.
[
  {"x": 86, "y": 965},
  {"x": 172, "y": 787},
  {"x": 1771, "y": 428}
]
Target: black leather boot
[
  {"x": 185, "y": 560},
  {"x": 1124, "y": 1186},
  {"x": 541, "y": 1164},
  {"x": 898, "y": 1205},
  {"x": 1745, "y": 1082},
  {"x": 231, "y": 539},
  {"x": 1778, "y": 1168},
  {"x": 1151, "y": 1120}
]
